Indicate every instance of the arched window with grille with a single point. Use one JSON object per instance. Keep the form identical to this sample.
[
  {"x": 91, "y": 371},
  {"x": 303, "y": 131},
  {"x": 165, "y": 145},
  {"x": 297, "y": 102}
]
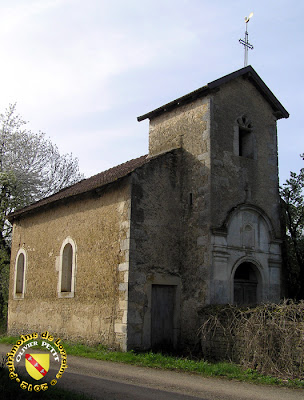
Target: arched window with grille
[
  {"x": 66, "y": 283},
  {"x": 20, "y": 269}
]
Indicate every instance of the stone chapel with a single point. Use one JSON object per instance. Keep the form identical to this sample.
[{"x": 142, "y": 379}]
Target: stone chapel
[{"x": 130, "y": 257}]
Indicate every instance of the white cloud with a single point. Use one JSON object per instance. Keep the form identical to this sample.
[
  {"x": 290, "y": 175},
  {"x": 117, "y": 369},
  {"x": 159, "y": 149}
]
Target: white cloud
[{"x": 66, "y": 62}]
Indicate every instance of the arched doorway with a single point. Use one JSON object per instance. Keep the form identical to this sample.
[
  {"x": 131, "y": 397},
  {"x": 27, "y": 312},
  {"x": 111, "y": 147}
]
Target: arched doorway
[{"x": 246, "y": 284}]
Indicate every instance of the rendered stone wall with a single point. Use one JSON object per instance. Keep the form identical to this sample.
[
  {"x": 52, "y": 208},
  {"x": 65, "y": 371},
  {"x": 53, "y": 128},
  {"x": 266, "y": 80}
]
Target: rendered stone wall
[
  {"x": 99, "y": 226},
  {"x": 215, "y": 179},
  {"x": 236, "y": 180},
  {"x": 155, "y": 253},
  {"x": 251, "y": 183},
  {"x": 188, "y": 128}
]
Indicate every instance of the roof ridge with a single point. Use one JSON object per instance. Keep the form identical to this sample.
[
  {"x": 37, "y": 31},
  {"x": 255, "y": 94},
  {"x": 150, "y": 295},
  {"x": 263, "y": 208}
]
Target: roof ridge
[
  {"x": 114, "y": 167},
  {"x": 86, "y": 185},
  {"x": 247, "y": 71}
]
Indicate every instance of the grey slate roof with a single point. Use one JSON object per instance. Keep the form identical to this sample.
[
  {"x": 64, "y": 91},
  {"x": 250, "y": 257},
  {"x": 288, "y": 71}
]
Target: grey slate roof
[{"x": 247, "y": 72}]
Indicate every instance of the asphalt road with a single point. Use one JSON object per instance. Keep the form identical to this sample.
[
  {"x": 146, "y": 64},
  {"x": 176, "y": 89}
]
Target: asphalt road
[{"x": 113, "y": 381}]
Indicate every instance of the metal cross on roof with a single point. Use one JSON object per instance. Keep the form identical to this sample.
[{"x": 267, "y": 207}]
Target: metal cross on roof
[{"x": 245, "y": 42}]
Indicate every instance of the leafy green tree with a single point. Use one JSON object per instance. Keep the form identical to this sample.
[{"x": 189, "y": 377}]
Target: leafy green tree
[
  {"x": 292, "y": 195},
  {"x": 31, "y": 168}
]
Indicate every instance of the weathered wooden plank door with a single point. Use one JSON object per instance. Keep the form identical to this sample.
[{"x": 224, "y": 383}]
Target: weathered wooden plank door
[{"x": 162, "y": 317}]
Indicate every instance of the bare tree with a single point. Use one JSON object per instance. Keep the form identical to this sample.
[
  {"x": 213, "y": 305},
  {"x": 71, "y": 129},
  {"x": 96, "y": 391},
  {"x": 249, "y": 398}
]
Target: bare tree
[{"x": 30, "y": 168}]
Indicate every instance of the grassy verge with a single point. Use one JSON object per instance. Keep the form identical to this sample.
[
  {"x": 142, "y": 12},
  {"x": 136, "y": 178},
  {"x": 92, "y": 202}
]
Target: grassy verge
[{"x": 157, "y": 360}]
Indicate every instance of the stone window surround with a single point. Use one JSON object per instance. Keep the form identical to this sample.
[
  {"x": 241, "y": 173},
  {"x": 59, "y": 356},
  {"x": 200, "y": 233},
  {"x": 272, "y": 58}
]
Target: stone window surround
[
  {"x": 20, "y": 296},
  {"x": 70, "y": 294}
]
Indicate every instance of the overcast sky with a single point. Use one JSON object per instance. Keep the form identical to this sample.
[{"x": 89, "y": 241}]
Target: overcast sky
[{"x": 82, "y": 71}]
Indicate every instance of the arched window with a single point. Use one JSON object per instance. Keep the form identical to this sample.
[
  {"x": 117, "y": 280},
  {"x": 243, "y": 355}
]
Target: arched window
[
  {"x": 67, "y": 264},
  {"x": 20, "y": 268},
  {"x": 66, "y": 284}
]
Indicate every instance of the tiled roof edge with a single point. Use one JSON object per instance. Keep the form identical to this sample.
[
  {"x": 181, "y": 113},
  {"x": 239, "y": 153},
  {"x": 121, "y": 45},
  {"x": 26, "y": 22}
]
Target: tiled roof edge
[
  {"x": 84, "y": 186},
  {"x": 203, "y": 91}
]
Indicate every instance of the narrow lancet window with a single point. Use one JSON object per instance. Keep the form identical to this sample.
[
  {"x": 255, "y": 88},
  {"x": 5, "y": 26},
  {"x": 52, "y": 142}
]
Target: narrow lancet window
[
  {"x": 67, "y": 271},
  {"x": 20, "y": 269},
  {"x": 67, "y": 266}
]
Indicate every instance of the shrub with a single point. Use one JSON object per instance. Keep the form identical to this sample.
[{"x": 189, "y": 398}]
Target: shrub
[{"x": 268, "y": 338}]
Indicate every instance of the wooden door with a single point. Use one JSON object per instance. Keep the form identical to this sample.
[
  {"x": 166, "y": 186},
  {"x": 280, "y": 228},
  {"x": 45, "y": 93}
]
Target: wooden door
[
  {"x": 245, "y": 284},
  {"x": 245, "y": 293},
  {"x": 162, "y": 317}
]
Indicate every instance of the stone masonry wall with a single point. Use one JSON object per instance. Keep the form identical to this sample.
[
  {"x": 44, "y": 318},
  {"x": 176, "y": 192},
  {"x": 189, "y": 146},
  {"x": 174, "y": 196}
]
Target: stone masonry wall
[
  {"x": 188, "y": 127},
  {"x": 155, "y": 255},
  {"x": 99, "y": 226},
  {"x": 235, "y": 179}
]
